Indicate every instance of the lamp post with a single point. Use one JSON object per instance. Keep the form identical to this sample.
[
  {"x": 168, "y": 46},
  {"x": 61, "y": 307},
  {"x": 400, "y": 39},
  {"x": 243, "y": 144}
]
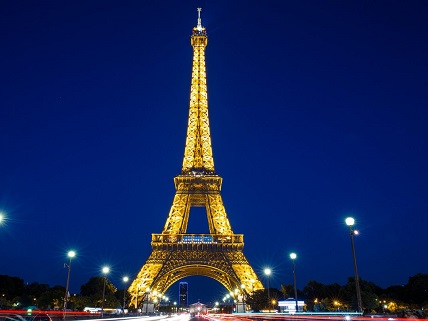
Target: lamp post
[
  {"x": 147, "y": 299},
  {"x": 70, "y": 254},
  {"x": 125, "y": 280},
  {"x": 105, "y": 271},
  {"x": 244, "y": 298},
  {"x": 293, "y": 257},
  {"x": 227, "y": 302},
  {"x": 350, "y": 222},
  {"x": 268, "y": 272}
]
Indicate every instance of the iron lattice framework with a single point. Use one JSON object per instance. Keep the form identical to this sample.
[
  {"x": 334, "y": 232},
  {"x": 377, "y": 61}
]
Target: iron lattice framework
[{"x": 175, "y": 254}]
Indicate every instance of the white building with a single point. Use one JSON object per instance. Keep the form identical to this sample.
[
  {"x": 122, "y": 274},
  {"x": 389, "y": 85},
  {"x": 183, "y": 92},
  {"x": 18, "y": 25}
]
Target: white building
[{"x": 289, "y": 305}]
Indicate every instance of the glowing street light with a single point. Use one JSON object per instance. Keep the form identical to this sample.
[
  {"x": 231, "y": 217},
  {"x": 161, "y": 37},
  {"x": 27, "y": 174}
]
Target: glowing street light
[
  {"x": 125, "y": 280},
  {"x": 268, "y": 272},
  {"x": 3, "y": 218},
  {"x": 70, "y": 254},
  {"x": 293, "y": 257},
  {"x": 105, "y": 270},
  {"x": 350, "y": 222}
]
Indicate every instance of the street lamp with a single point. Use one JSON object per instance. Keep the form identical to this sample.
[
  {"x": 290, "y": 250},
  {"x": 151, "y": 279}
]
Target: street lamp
[
  {"x": 244, "y": 298},
  {"x": 228, "y": 303},
  {"x": 350, "y": 222},
  {"x": 70, "y": 254},
  {"x": 147, "y": 299},
  {"x": 3, "y": 218},
  {"x": 125, "y": 279},
  {"x": 293, "y": 257},
  {"x": 105, "y": 271},
  {"x": 268, "y": 272}
]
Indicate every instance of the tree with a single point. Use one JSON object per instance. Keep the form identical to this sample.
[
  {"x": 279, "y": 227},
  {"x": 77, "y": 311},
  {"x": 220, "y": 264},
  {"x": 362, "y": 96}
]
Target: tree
[
  {"x": 416, "y": 290},
  {"x": 287, "y": 291},
  {"x": 79, "y": 302},
  {"x": 52, "y": 297},
  {"x": 258, "y": 300},
  {"x": 36, "y": 289},
  {"x": 119, "y": 296},
  {"x": 315, "y": 290},
  {"x": 93, "y": 289},
  {"x": 11, "y": 287}
]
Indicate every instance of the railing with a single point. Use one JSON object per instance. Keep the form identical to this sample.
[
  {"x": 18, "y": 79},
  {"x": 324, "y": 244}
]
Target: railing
[
  {"x": 198, "y": 238},
  {"x": 198, "y": 242}
]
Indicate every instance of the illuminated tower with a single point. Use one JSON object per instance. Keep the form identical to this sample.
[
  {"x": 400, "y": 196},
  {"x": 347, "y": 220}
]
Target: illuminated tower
[{"x": 175, "y": 254}]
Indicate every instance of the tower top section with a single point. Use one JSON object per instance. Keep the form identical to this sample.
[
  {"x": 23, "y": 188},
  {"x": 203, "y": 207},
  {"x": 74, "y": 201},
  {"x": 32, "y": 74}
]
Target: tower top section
[
  {"x": 199, "y": 30},
  {"x": 198, "y": 156}
]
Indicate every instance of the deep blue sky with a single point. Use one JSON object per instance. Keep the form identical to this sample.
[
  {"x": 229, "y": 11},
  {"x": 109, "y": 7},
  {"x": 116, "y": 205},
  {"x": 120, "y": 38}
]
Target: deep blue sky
[{"x": 318, "y": 111}]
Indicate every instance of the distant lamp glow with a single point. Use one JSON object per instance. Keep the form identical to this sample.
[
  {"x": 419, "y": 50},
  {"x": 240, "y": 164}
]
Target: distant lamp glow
[
  {"x": 293, "y": 256},
  {"x": 1, "y": 217}
]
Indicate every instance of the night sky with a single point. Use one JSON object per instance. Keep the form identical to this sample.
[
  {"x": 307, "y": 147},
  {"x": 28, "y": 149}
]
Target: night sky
[{"x": 318, "y": 110}]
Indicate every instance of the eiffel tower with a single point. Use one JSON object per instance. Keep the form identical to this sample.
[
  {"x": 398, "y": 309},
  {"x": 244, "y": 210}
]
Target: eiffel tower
[{"x": 175, "y": 254}]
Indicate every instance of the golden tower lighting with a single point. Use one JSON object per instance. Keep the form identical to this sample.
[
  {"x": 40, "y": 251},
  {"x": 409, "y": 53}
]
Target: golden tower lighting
[{"x": 175, "y": 254}]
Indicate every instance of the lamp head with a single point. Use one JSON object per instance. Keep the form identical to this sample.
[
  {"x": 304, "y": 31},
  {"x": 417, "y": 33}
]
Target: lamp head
[
  {"x": 125, "y": 279},
  {"x": 350, "y": 221},
  {"x": 106, "y": 269},
  {"x": 71, "y": 254},
  {"x": 268, "y": 271},
  {"x": 293, "y": 256}
]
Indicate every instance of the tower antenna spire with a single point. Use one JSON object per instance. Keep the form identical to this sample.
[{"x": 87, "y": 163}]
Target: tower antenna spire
[{"x": 199, "y": 26}]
